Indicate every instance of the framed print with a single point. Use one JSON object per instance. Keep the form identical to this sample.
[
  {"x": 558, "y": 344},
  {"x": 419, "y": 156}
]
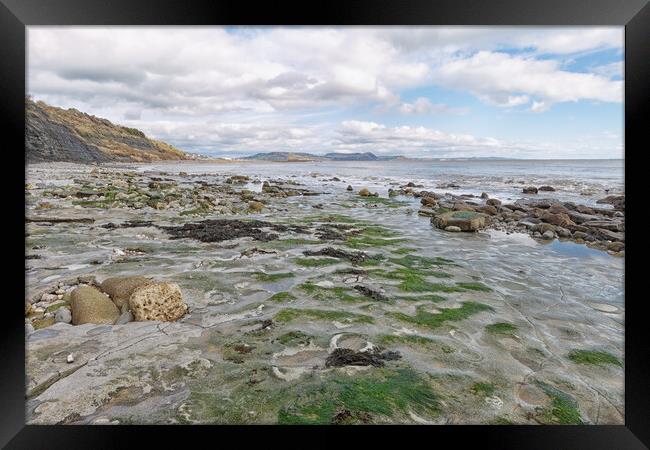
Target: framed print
[{"x": 333, "y": 220}]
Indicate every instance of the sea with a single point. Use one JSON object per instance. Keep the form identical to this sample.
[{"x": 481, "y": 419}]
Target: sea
[{"x": 581, "y": 181}]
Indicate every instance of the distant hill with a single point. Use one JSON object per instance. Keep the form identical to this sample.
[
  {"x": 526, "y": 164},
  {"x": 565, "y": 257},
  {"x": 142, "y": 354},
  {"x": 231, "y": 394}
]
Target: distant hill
[
  {"x": 367, "y": 156},
  {"x": 56, "y": 134},
  {"x": 285, "y": 156},
  {"x": 293, "y": 157}
]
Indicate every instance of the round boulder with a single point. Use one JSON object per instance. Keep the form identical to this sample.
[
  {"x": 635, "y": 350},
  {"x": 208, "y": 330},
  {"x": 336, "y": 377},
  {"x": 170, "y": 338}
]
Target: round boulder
[
  {"x": 255, "y": 206},
  {"x": 530, "y": 190},
  {"x": 364, "y": 192},
  {"x": 63, "y": 315},
  {"x": 91, "y": 306},
  {"x": 158, "y": 301},
  {"x": 428, "y": 201},
  {"x": 121, "y": 288}
]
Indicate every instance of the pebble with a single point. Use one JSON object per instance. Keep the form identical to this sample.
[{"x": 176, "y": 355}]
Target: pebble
[
  {"x": 63, "y": 315},
  {"x": 48, "y": 298},
  {"x": 70, "y": 358},
  {"x": 124, "y": 318}
]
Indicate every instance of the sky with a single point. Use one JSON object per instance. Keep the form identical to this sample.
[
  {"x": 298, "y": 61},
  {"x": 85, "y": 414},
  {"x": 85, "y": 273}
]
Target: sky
[{"x": 440, "y": 92}]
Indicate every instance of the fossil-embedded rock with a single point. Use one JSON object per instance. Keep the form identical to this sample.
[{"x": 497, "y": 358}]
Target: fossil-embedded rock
[{"x": 158, "y": 301}]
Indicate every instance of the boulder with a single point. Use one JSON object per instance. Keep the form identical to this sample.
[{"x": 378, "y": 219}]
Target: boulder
[
  {"x": 429, "y": 201},
  {"x": 465, "y": 220},
  {"x": 349, "y": 188},
  {"x": 543, "y": 228},
  {"x": 255, "y": 206},
  {"x": 616, "y": 246},
  {"x": 558, "y": 209},
  {"x": 584, "y": 209},
  {"x": 561, "y": 219},
  {"x": 89, "y": 305},
  {"x": 530, "y": 190},
  {"x": 364, "y": 192},
  {"x": 548, "y": 235},
  {"x": 493, "y": 202},
  {"x": 547, "y": 188},
  {"x": 487, "y": 209},
  {"x": 157, "y": 301},
  {"x": 453, "y": 229},
  {"x": 460, "y": 206},
  {"x": 63, "y": 315},
  {"x": 618, "y": 201},
  {"x": 121, "y": 288},
  {"x": 604, "y": 234},
  {"x": 427, "y": 212},
  {"x": 484, "y": 195},
  {"x": 612, "y": 225},
  {"x": 563, "y": 232}
]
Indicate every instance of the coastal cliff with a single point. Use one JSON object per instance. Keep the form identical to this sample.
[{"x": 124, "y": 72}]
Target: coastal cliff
[{"x": 56, "y": 134}]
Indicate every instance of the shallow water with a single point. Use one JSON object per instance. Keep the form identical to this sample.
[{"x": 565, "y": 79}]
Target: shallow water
[
  {"x": 583, "y": 181},
  {"x": 561, "y": 295}
]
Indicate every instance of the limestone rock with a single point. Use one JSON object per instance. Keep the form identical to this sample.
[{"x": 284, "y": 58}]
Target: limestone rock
[
  {"x": 429, "y": 201},
  {"x": 91, "y": 306},
  {"x": 488, "y": 209},
  {"x": 543, "y": 228},
  {"x": 63, "y": 315},
  {"x": 158, "y": 301},
  {"x": 465, "y": 220},
  {"x": 121, "y": 288},
  {"x": 255, "y": 206},
  {"x": 561, "y": 219}
]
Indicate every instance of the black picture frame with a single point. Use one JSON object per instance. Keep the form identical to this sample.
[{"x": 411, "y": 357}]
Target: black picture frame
[{"x": 15, "y": 15}]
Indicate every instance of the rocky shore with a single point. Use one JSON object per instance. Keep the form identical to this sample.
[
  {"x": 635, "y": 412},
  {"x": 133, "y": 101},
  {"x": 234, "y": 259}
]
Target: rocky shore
[
  {"x": 542, "y": 218},
  {"x": 174, "y": 297}
]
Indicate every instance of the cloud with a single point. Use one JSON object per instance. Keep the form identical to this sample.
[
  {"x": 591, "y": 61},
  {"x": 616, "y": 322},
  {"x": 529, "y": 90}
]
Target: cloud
[
  {"x": 240, "y": 89},
  {"x": 507, "y": 80},
  {"x": 612, "y": 70},
  {"x": 423, "y": 105}
]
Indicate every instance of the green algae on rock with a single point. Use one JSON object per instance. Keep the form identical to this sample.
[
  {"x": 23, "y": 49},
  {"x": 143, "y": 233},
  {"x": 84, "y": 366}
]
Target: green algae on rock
[
  {"x": 501, "y": 328},
  {"x": 594, "y": 357},
  {"x": 435, "y": 320},
  {"x": 382, "y": 396},
  {"x": 289, "y": 314},
  {"x": 563, "y": 410}
]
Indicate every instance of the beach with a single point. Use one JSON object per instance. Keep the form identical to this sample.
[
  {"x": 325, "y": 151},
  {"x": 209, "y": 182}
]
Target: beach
[{"x": 455, "y": 295}]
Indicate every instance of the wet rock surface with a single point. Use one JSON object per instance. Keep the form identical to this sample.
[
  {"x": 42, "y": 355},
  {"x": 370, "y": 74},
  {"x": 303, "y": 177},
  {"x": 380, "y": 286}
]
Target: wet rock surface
[
  {"x": 224, "y": 229},
  {"x": 289, "y": 309},
  {"x": 348, "y": 357}
]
